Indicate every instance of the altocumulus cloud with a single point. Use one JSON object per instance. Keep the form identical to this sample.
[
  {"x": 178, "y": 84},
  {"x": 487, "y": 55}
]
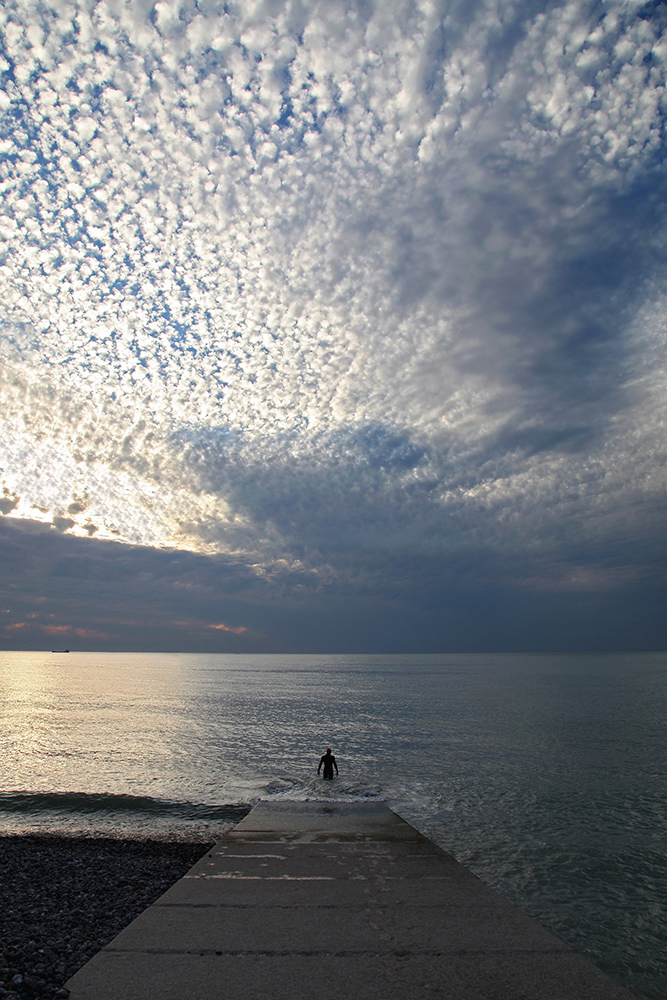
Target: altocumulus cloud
[{"x": 354, "y": 298}]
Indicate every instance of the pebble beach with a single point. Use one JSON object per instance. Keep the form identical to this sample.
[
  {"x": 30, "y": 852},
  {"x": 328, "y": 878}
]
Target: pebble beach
[{"x": 64, "y": 898}]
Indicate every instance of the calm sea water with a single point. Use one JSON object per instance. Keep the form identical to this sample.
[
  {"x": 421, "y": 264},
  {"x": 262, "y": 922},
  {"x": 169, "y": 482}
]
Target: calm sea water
[{"x": 543, "y": 774}]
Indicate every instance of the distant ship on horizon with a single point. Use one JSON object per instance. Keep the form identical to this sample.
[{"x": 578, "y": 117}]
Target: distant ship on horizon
[{"x": 60, "y": 650}]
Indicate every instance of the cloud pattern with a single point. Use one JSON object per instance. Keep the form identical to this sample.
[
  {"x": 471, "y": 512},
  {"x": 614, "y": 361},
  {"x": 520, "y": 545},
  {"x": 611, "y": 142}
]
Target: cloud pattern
[{"x": 324, "y": 287}]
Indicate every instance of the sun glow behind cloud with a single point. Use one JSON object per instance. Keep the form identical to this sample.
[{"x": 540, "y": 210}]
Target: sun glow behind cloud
[{"x": 291, "y": 280}]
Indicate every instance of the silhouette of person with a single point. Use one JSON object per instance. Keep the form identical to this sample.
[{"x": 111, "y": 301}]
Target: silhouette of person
[{"x": 328, "y": 761}]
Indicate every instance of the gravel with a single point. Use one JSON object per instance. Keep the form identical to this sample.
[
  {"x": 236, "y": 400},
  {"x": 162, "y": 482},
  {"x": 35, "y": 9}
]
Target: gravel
[{"x": 64, "y": 898}]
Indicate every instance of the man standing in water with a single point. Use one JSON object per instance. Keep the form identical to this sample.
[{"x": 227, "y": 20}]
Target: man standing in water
[{"x": 329, "y": 762}]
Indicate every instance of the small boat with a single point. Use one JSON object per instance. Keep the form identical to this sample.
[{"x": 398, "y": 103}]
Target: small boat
[{"x": 60, "y": 650}]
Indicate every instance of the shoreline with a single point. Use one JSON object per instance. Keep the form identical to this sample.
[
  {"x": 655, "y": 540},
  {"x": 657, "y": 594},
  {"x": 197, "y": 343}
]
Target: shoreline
[{"x": 65, "y": 896}]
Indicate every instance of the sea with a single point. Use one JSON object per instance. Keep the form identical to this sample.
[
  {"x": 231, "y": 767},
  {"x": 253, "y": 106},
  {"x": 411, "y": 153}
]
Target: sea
[{"x": 545, "y": 775}]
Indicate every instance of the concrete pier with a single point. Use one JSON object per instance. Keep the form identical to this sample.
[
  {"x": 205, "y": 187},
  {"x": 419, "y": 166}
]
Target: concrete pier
[{"x": 329, "y": 901}]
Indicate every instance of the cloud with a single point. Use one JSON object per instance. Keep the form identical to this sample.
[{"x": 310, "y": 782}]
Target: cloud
[
  {"x": 106, "y": 595},
  {"x": 8, "y": 502},
  {"x": 78, "y": 633},
  {"x": 330, "y": 290}
]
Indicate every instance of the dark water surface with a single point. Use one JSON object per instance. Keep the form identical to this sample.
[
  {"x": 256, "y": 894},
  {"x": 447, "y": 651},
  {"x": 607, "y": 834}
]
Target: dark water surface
[{"x": 543, "y": 774}]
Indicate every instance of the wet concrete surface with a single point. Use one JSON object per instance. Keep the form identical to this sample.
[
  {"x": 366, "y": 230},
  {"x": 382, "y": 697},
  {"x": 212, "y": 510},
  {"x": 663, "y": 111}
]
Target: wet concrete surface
[{"x": 325, "y": 901}]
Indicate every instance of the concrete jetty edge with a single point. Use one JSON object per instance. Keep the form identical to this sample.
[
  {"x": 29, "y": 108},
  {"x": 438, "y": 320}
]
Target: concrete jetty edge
[{"x": 330, "y": 901}]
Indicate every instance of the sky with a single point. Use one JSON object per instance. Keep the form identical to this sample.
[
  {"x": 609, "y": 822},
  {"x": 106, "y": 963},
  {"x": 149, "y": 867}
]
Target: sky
[{"x": 334, "y": 326}]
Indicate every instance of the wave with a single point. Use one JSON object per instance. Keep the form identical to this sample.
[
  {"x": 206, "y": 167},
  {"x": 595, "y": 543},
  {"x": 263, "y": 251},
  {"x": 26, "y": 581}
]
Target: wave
[
  {"x": 319, "y": 791},
  {"x": 82, "y": 803}
]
